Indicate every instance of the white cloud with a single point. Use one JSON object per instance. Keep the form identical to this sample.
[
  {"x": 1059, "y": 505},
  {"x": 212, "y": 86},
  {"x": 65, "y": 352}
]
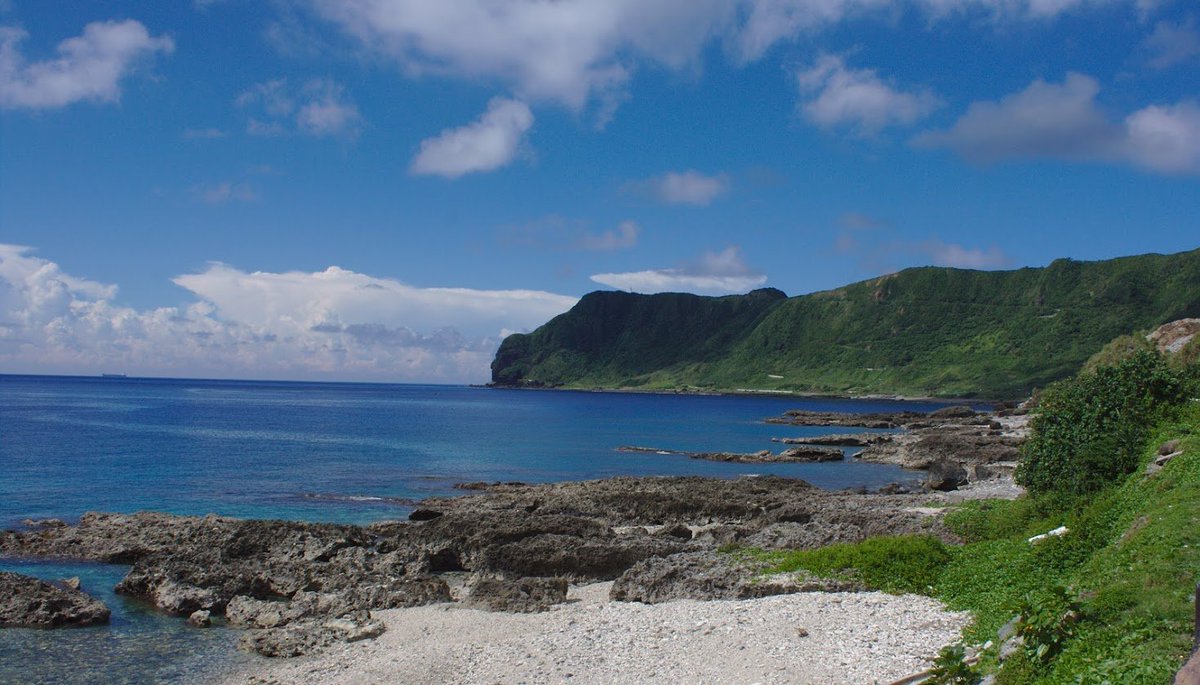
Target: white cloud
[
  {"x": 950, "y": 254},
  {"x": 330, "y": 324},
  {"x": 771, "y": 21},
  {"x": 320, "y": 109},
  {"x": 569, "y": 52},
  {"x": 1172, "y": 44},
  {"x": 1063, "y": 121},
  {"x": 326, "y": 112},
  {"x": 89, "y": 67},
  {"x": 682, "y": 187},
  {"x": 625, "y": 235},
  {"x": 858, "y": 98},
  {"x": 584, "y": 52},
  {"x": 488, "y": 143},
  {"x": 1164, "y": 139},
  {"x": 714, "y": 273}
]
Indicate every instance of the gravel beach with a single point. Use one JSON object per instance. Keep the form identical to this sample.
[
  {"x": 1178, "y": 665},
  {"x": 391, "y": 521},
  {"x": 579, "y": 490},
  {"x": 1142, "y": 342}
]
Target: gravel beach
[{"x": 865, "y": 637}]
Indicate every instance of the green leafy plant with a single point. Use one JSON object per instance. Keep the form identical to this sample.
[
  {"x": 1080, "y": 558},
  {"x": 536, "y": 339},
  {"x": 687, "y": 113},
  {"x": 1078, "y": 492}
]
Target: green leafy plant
[
  {"x": 1047, "y": 622},
  {"x": 951, "y": 668}
]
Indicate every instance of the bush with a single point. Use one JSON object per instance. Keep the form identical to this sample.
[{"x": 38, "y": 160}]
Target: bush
[{"x": 1088, "y": 430}]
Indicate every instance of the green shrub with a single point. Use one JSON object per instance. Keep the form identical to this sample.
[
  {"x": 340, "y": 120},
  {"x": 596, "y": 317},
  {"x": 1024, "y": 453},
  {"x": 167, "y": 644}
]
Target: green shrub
[{"x": 1088, "y": 430}]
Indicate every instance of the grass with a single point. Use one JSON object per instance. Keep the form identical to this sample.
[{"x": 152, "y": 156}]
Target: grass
[
  {"x": 1132, "y": 558},
  {"x": 893, "y": 564}
]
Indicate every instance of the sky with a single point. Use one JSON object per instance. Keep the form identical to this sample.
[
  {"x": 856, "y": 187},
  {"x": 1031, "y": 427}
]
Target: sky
[{"x": 381, "y": 190}]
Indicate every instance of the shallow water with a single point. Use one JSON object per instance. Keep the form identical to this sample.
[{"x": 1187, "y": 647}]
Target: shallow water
[{"x": 323, "y": 452}]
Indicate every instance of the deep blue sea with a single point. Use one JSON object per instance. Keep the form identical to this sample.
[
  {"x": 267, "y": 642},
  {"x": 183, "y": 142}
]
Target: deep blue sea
[{"x": 323, "y": 452}]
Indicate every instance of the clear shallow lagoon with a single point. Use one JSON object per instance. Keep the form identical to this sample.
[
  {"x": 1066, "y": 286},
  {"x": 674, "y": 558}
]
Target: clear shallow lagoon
[{"x": 324, "y": 452}]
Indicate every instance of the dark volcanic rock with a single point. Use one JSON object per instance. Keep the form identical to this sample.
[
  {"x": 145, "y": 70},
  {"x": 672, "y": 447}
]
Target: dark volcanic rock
[
  {"x": 423, "y": 515},
  {"x": 956, "y": 412},
  {"x": 32, "y": 603},
  {"x": 709, "y": 575},
  {"x": 812, "y": 453},
  {"x": 946, "y": 475},
  {"x": 798, "y": 417},
  {"x": 297, "y": 587},
  {"x": 524, "y": 595},
  {"x": 805, "y": 454},
  {"x": 839, "y": 440},
  {"x": 560, "y": 555}
]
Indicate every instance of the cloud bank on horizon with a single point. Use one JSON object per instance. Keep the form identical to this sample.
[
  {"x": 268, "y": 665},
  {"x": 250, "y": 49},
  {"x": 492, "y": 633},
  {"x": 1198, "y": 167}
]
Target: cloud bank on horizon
[{"x": 333, "y": 324}]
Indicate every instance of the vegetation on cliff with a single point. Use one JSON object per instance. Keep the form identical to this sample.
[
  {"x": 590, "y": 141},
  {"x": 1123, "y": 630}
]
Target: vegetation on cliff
[
  {"x": 923, "y": 331},
  {"x": 1108, "y": 601}
]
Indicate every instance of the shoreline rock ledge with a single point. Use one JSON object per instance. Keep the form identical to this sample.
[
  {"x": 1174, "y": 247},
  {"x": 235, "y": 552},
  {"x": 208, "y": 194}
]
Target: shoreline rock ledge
[{"x": 27, "y": 602}]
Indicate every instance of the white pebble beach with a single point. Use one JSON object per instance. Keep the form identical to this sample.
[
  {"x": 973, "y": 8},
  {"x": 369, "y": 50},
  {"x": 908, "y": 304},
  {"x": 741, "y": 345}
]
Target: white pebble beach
[{"x": 860, "y": 638}]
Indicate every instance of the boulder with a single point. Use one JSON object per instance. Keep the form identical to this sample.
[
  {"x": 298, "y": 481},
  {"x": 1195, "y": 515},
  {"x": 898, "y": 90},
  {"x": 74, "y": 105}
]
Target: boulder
[
  {"x": 200, "y": 619},
  {"x": 955, "y": 412},
  {"x": 945, "y": 475},
  {"x": 525, "y": 595},
  {"x": 27, "y": 602},
  {"x": 310, "y": 635}
]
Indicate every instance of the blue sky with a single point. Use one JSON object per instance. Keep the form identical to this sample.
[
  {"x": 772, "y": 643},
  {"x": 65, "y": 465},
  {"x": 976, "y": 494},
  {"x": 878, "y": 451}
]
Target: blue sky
[{"x": 381, "y": 189}]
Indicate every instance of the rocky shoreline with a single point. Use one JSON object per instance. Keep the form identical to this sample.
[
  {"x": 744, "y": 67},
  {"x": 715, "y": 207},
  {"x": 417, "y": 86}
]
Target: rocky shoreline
[{"x": 297, "y": 588}]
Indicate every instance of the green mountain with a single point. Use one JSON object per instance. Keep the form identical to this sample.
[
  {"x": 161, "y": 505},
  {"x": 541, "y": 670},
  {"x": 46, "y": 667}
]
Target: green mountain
[{"x": 925, "y": 331}]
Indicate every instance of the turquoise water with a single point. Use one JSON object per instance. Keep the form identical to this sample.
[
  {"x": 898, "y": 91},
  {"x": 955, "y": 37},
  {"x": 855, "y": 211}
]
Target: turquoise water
[{"x": 323, "y": 452}]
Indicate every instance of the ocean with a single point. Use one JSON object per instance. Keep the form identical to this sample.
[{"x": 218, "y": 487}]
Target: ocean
[{"x": 342, "y": 452}]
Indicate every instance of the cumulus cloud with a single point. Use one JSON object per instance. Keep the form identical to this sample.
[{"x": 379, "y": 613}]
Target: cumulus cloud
[
  {"x": 682, "y": 187},
  {"x": 713, "y": 273},
  {"x": 568, "y": 52},
  {"x": 581, "y": 52},
  {"x": 1172, "y": 44},
  {"x": 1063, "y": 121},
  {"x": 320, "y": 108},
  {"x": 329, "y": 324},
  {"x": 89, "y": 67},
  {"x": 858, "y": 99},
  {"x": 488, "y": 143}
]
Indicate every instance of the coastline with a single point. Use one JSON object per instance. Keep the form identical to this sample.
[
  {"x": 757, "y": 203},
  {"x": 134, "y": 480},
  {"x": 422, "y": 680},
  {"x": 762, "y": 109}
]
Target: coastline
[
  {"x": 298, "y": 588},
  {"x": 749, "y": 392}
]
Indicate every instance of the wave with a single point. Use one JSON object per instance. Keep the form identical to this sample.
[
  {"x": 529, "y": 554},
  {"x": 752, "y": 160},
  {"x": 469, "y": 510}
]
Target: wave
[{"x": 357, "y": 499}]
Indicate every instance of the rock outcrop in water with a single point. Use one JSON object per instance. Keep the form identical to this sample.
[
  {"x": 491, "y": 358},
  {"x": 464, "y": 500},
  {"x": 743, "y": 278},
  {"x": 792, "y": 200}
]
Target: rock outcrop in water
[{"x": 32, "y": 603}]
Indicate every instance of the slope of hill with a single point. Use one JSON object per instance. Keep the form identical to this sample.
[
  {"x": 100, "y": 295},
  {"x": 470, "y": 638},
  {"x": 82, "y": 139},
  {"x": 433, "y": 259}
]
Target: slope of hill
[{"x": 923, "y": 331}]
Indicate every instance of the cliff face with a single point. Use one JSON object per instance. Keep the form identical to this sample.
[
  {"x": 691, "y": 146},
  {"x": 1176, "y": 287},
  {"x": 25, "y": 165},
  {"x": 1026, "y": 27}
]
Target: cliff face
[{"x": 923, "y": 331}]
